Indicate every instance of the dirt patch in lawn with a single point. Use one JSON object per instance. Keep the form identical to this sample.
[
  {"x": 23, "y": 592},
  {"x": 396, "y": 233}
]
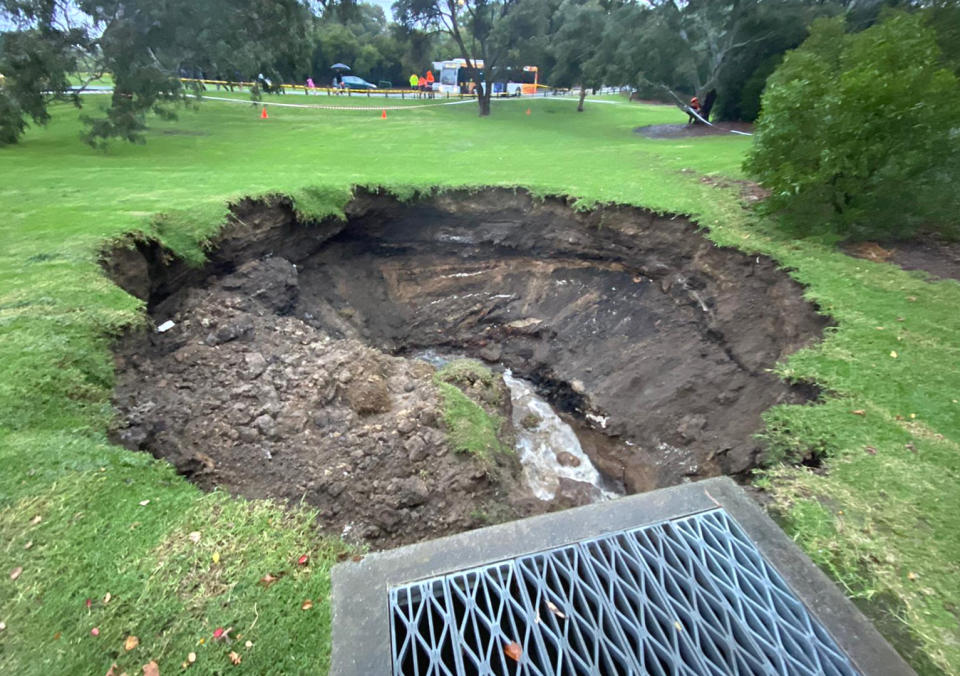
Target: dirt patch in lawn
[
  {"x": 290, "y": 369},
  {"x": 930, "y": 253},
  {"x": 669, "y": 131}
]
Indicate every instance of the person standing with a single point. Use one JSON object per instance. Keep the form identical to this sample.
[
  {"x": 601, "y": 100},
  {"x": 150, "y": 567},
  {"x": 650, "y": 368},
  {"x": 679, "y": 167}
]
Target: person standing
[
  {"x": 422, "y": 85},
  {"x": 414, "y": 81},
  {"x": 695, "y": 107},
  {"x": 429, "y": 79}
]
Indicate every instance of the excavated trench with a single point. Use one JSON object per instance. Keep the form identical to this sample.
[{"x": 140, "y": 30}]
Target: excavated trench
[{"x": 290, "y": 372}]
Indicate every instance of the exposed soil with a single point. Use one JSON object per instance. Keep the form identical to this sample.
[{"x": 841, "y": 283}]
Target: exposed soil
[
  {"x": 932, "y": 254},
  {"x": 661, "y": 131},
  {"x": 285, "y": 375}
]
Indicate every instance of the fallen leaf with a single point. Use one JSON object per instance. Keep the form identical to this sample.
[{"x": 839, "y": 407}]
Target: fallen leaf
[
  {"x": 151, "y": 668},
  {"x": 218, "y": 632},
  {"x": 191, "y": 658},
  {"x": 893, "y": 353},
  {"x": 194, "y": 537},
  {"x": 912, "y": 299},
  {"x": 513, "y": 651},
  {"x": 235, "y": 658},
  {"x": 912, "y": 448},
  {"x": 303, "y": 560},
  {"x": 110, "y": 671},
  {"x": 107, "y": 597},
  {"x": 357, "y": 558},
  {"x": 35, "y": 520},
  {"x": 307, "y": 605},
  {"x": 268, "y": 580},
  {"x": 870, "y": 450},
  {"x": 912, "y": 576},
  {"x": 556, "y": 611},
  {"x": 95, "y": 631},
  {"x": 28, "y": 545},
  {"x": 859, "y": 411},
  {"x": 216, "y": 557},
  {"x": 144, "y": 503},
  {"x": 88, "y": 603},
  {"x": 131, "y": 643},
  {"x": 901, "y": 319},
  {"x": 15, "y": 573},
  {"x": 248, "y": 644},
  {"x": 56, "y": 637}
]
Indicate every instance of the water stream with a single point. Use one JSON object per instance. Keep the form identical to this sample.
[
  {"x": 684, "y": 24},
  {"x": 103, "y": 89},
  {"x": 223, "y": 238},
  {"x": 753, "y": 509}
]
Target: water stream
[{"x": 547, "y": 447}]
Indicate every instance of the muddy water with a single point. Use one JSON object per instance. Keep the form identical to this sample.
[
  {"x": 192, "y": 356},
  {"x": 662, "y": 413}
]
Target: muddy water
[{"x": 548, "y": 447}]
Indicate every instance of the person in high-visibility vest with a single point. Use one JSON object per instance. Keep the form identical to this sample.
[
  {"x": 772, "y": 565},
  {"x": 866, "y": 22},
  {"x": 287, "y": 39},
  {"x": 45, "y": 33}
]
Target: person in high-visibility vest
[
  {"x": 695, "y": 107},
  {"x": 429, "y": 80},
  {"x": 414, "y": 81}
]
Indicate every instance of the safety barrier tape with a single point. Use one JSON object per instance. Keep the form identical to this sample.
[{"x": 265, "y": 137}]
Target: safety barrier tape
[{"x": 334, "y": 91}]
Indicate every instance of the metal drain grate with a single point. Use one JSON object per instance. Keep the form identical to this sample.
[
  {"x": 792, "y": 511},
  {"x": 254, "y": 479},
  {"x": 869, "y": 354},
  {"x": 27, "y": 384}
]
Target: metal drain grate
[{"x": 687, "y": 596}]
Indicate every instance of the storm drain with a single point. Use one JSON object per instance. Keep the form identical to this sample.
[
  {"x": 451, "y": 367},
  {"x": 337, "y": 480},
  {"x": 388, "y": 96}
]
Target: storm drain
[{"x": 687, "y": 596}]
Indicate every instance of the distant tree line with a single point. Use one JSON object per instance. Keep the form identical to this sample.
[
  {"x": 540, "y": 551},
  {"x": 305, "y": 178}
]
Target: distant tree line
[{"x": 718, "y": 50}]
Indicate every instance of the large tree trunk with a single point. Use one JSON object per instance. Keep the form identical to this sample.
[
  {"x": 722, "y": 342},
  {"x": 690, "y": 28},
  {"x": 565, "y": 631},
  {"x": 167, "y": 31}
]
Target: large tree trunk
[
  {"x": 483, "y": 100},
  {"x": 583, "y": 95},
  {"x": 706, "y": 105}
]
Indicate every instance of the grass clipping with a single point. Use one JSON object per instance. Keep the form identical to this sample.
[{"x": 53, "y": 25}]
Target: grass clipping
[{"x": 470, "y": 427}]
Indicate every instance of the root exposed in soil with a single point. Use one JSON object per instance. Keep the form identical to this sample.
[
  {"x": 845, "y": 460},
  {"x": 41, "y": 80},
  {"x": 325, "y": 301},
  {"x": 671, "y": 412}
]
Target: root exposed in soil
[{"x": 285, "y": 373}]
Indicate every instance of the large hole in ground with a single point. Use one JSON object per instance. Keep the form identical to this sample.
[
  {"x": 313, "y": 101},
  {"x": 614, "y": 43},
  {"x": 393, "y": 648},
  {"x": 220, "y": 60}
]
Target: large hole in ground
[{"x": 292, "y": 368}]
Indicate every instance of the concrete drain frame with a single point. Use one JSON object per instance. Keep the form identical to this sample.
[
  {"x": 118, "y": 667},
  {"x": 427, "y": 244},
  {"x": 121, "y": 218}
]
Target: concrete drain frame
[{"x": 692, "y": 579}]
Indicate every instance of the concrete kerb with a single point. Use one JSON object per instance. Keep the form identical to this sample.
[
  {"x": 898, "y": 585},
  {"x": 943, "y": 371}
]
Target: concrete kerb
[{"x": 361, "y": 622}]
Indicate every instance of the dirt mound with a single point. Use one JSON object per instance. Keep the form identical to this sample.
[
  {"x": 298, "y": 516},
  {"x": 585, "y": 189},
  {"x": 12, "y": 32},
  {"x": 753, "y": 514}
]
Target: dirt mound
[
  {"x": 285, "y": 374},
  {"x": 660, "y": 131}
]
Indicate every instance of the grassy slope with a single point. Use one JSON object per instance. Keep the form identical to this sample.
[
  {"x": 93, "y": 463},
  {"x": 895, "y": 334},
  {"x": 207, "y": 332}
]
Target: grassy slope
[{"x": 883, "y": 524}]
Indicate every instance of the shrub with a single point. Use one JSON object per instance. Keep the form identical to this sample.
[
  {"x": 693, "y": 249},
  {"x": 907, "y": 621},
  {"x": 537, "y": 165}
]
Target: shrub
[{"x": 861, "y": 133}]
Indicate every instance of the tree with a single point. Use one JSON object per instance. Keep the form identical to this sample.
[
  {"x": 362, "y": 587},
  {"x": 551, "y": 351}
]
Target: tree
[
  {"x": 145, "y": 45},
  {"x": 574, "y": 43},
  {"x": 862, "y": 132},
  {"x": 480, "y": 28}
]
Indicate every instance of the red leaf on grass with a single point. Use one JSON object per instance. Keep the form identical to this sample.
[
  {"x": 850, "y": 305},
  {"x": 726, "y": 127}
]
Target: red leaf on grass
[
  {"x": 268, "y": 580},
  {"x": 513, "y": 651},
  {"x": 303, "y": 560},
  {"x": 95, "y": 631},
  {"x": 88, "y": 603},
  {"x": 218, "y": 632}
]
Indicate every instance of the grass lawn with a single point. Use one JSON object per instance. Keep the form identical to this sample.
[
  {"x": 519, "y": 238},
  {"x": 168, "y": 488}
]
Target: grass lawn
[{"x": 84, "y": 519}]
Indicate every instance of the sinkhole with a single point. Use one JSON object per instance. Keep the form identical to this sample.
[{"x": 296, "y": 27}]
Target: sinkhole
[{"x": 290, "y": 365}]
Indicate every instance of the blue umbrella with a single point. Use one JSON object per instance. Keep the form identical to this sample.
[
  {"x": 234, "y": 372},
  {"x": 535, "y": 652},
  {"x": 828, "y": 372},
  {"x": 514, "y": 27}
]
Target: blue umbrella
[{"x": 339, "y": 66}]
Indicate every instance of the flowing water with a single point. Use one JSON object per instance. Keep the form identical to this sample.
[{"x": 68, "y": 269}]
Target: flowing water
[{"x": 548, "y": 447}]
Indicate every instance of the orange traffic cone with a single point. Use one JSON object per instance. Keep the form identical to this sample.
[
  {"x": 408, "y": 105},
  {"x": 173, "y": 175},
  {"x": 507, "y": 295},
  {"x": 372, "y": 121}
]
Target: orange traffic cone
[
  {"x": 383, "y": 115},
  {"x": 528, "y": 111},
  {"x": 263, "y": 113}
]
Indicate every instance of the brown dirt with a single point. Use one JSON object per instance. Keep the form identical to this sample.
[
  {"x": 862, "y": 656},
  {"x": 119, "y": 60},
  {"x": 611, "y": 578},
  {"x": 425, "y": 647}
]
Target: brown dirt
[
  {"x": 662, "y": 131},
  {"x": 930, "y": 253},
  {"x": 285, "y": 374}
]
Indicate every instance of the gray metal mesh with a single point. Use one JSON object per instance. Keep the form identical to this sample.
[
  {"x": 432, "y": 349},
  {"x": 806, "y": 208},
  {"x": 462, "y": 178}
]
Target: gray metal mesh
[{"x": 687, "y": 596}]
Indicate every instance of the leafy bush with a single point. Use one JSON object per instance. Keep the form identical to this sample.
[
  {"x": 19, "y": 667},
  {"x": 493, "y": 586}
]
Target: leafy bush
[{"x": 861, "y": 133}]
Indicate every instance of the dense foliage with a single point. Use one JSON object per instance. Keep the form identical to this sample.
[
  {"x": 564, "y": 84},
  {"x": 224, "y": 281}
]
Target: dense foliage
[
  {"x": 861, "y": 132},
  {"x": 145, "y": 46}
]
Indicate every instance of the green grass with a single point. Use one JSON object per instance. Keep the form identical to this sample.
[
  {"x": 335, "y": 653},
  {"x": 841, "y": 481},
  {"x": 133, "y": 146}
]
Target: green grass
[
  {"x": 882, "y": 523},
  {"x": 470, "y": 429}
]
